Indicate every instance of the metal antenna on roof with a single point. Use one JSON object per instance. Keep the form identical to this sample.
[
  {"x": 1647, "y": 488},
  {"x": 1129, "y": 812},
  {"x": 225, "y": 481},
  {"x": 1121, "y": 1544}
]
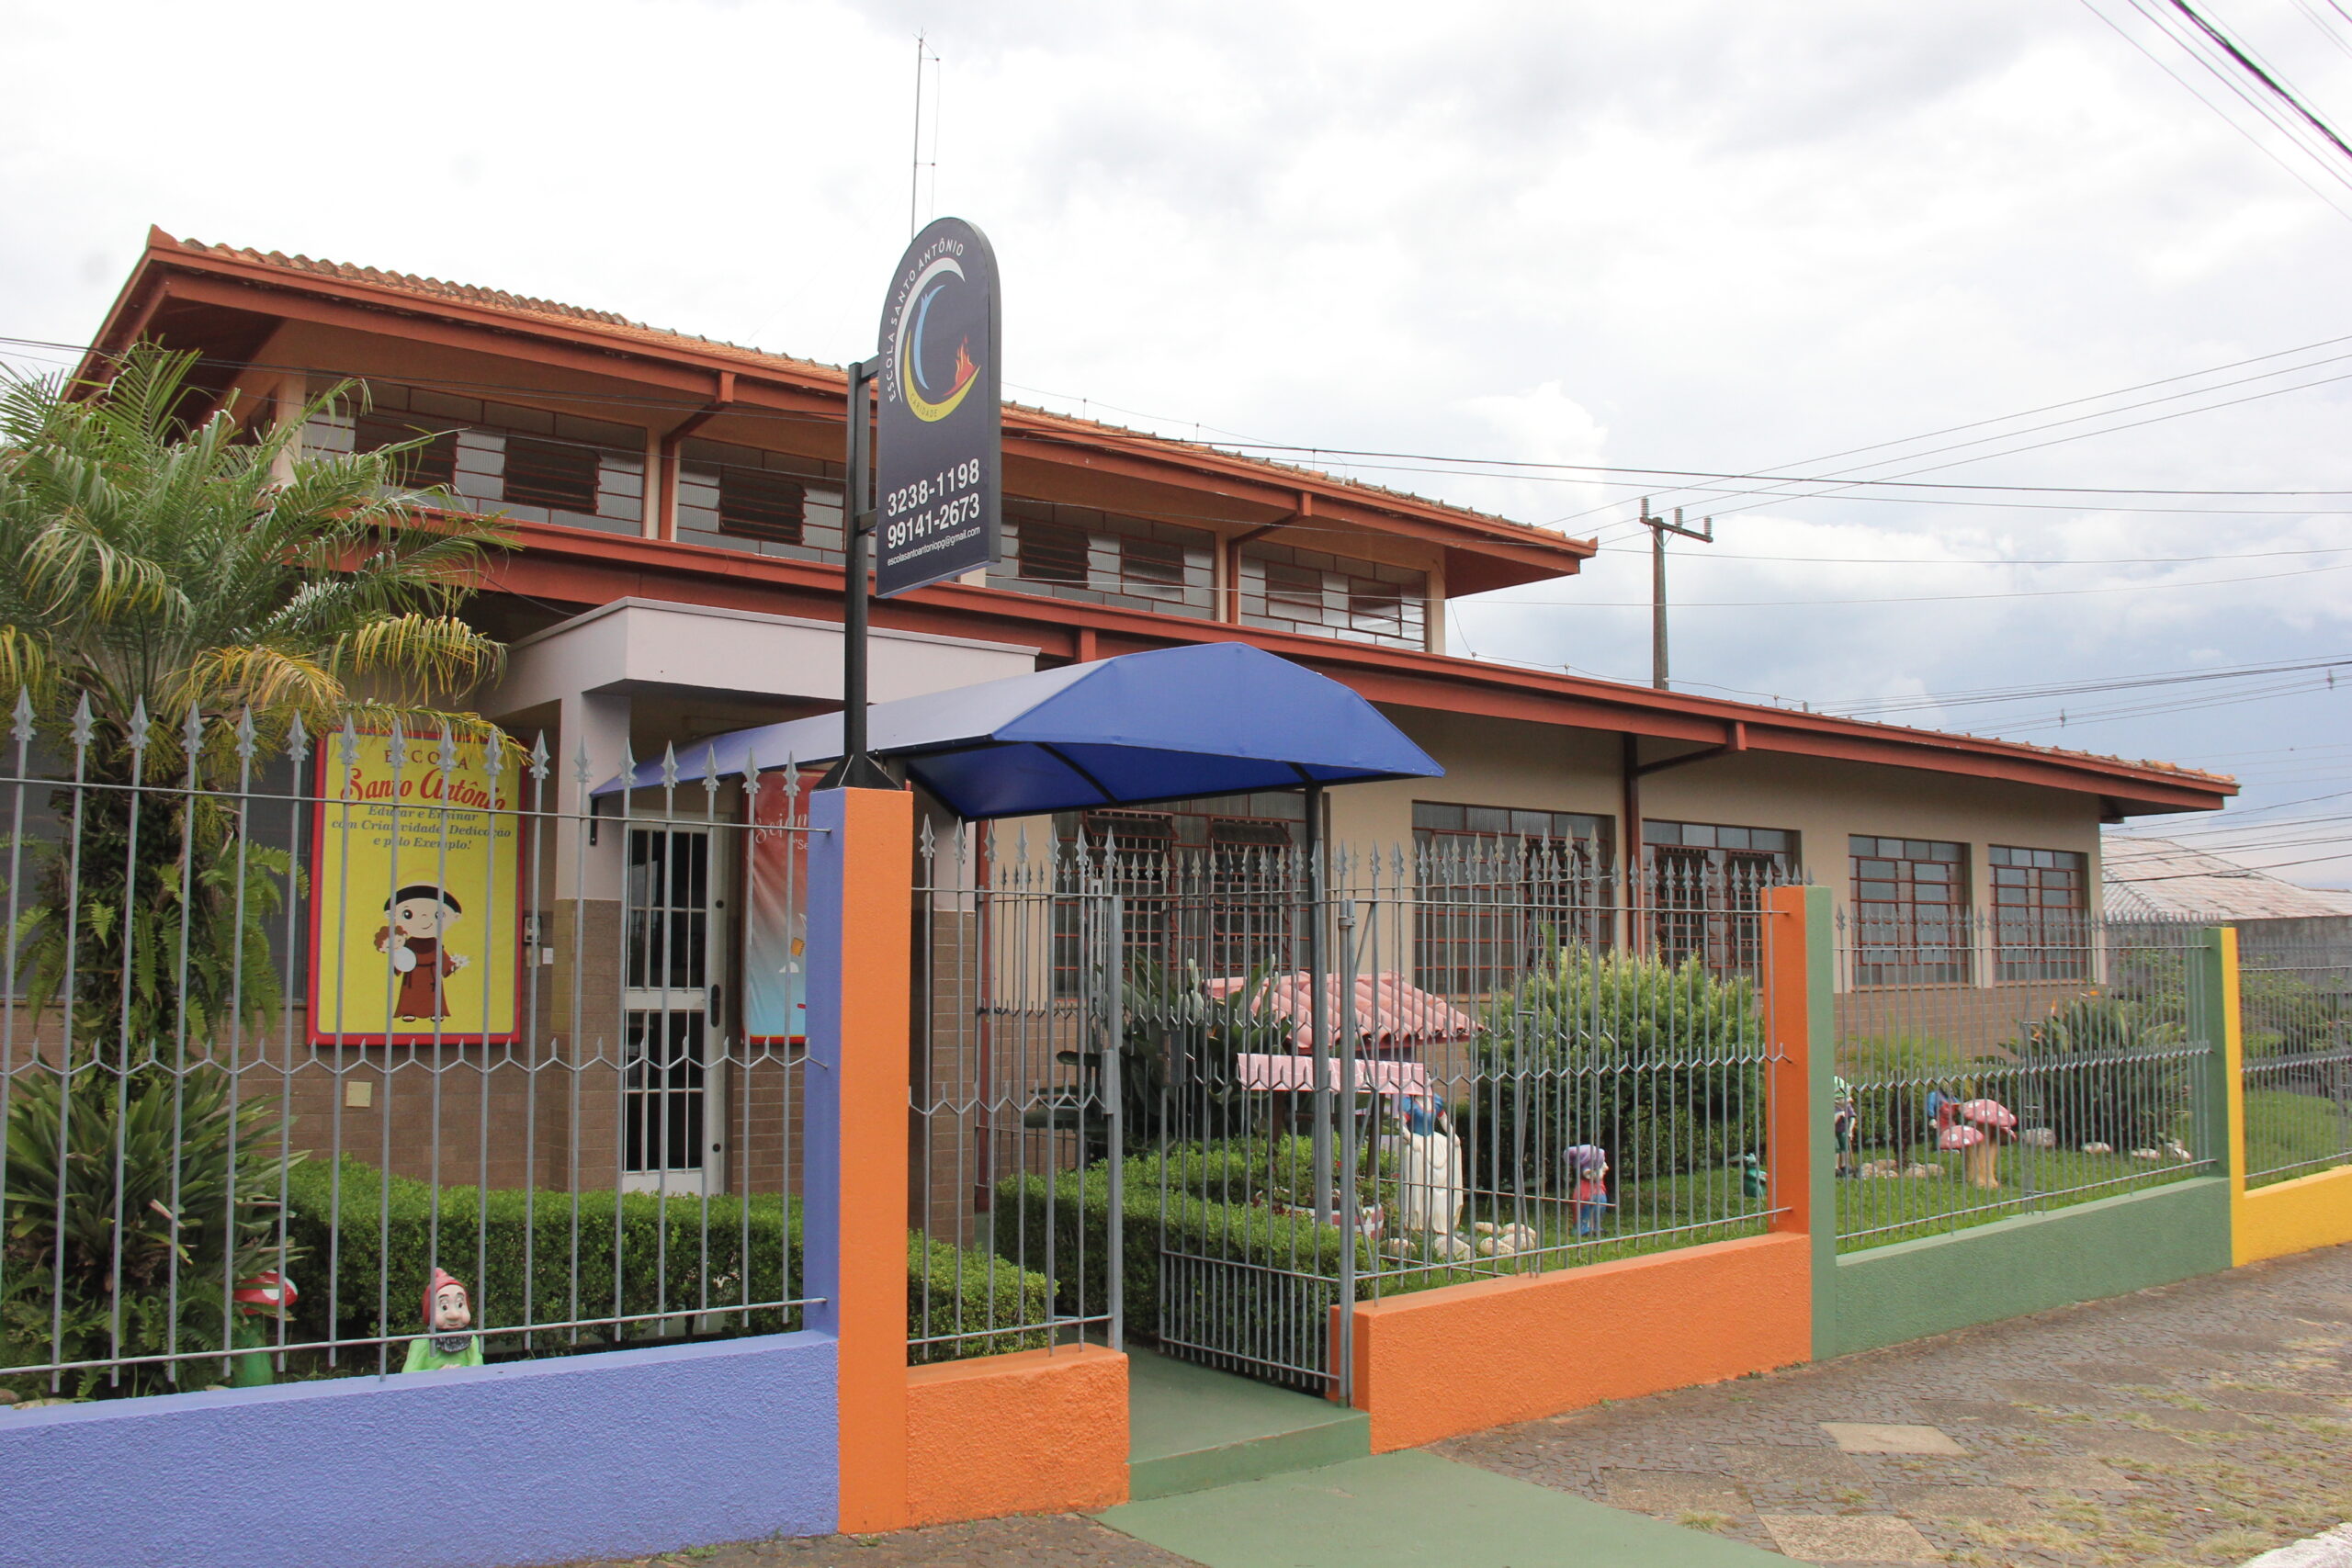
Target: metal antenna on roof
[{"x": 914, "y": 175}]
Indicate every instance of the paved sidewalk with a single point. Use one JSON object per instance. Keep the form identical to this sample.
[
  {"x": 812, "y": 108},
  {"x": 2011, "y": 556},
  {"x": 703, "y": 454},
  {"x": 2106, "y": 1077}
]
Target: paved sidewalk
[{"x": 2198, "y": 1424}]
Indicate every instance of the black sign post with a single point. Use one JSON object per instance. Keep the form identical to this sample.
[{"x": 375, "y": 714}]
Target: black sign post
[{"x": 934, "y": 493}]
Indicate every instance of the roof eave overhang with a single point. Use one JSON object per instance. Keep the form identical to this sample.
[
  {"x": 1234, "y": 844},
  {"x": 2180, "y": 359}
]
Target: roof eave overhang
[
  {"x": 569, "y": 563},
  {"x": 1479, "y": 554}
]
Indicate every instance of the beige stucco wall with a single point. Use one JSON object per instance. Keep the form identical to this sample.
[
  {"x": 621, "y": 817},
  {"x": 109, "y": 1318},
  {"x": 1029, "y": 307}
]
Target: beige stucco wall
[{"x": 1491, "y": 761}]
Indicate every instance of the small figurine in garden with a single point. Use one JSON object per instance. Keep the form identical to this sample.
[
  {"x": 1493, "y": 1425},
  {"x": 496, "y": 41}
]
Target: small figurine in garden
[
  {"x": 1589, "y": 1163},
  {"x": 449, "y": 1315},
  {"x": 1844, "y": 1125},
  {"x": 1974, "y": 1127},
  {"x": 266, "y": 1295},
  {"x": 1430, "y": 1188},
  {"x": 1752, "y": 1180}
]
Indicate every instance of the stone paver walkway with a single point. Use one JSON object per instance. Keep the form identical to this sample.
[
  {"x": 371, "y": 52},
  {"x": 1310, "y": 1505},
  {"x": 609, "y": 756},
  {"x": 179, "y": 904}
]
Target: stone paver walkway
[{"x": 2198, "y": 1424}]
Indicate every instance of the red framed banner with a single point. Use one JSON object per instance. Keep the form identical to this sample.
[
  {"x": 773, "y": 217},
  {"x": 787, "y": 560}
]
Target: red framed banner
[
  {"x": 776, "y": 932},
  {"x": 415, "y": 885}
]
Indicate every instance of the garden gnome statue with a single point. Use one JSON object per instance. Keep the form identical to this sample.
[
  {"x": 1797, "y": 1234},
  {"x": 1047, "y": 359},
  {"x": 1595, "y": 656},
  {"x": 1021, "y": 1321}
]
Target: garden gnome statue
[
  {"x": 1588, "y": 1166},
  {"x": 1429, "y": 1169},
  {"x": 1844, "y": 1126},
  {"x": 448, "y": 1313},
  {"x": 268, "y": 1295},
  {"x": 1753, "y": 1182}
]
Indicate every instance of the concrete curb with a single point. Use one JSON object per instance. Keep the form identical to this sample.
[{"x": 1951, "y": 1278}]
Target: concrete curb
[{"x": 2333, "y": 1549}]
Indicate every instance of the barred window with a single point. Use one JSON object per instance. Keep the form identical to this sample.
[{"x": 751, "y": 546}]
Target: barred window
[
  {"x": 2040, "y": 907},
  {"x": 1910, "y": 911},
  {"x": 1208, "y": 883},
  {"x": 1706, "y": 883},
  {"x": 1503, "y": 889}
]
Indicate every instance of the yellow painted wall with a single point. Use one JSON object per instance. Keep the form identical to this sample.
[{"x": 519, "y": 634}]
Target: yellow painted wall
[{"x": 2292, "y": 1216}]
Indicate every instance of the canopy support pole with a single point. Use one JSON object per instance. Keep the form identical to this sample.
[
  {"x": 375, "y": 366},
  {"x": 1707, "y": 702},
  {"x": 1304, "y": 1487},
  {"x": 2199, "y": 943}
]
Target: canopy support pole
[{"x": 1318, "y": 1004}]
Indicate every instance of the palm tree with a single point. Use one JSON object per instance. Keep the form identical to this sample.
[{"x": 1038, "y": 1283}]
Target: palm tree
[
  {"x": 178, "y": 581},
  {"x": 182, "y": 595}
]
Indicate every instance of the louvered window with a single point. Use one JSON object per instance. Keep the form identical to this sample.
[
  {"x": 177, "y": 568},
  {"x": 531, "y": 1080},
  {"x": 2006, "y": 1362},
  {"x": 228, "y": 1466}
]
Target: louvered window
[
  {"x": 431, "y": 465},
  {"x": 1152, "y": 569},
  {"x": 554, "y": 474},
  {"x": 757, "y": 504},
  {"x": 1052, "y": 552}
]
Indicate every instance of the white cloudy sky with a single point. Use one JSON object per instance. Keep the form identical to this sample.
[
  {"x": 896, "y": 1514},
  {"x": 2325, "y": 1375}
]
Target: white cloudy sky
[{"x": 1734, "y": 236}]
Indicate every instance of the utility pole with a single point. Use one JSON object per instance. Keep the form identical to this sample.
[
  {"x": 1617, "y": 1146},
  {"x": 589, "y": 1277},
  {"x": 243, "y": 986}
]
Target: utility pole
[{"x": 1659, "y": 528}]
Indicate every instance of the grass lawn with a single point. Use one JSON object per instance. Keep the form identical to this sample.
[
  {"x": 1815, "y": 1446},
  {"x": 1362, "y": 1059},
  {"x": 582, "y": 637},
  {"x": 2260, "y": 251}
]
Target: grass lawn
[
  {"x": 2286, "y": 1133},
  {"x": 1659, "y": 1215},
  {"x": 2033, "y": 1181}
]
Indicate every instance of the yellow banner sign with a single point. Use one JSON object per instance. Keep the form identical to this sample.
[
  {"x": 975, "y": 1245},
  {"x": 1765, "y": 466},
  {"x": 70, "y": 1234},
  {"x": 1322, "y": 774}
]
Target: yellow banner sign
[{"x": 415, "y": 928}]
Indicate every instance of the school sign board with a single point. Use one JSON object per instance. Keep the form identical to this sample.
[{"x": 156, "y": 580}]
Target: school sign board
[
  {"x": 414, "y": 892},
  {"x": 938, "y": 457}
]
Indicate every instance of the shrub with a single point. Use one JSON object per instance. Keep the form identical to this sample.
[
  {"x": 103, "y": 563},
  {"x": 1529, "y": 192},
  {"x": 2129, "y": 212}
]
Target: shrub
[
  {"x": 2106, "y": 1070},
  {"x": 1657, "y": 1064},
  {"x": 668, "y": 1260},
  {"x": 1207, "y": 1214},
  {"x": 193, "y": 1175}
]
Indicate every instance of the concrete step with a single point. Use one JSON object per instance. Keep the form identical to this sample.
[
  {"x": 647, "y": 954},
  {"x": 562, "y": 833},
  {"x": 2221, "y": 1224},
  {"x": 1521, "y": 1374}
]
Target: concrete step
[{"x": 1191, "y": 1429}]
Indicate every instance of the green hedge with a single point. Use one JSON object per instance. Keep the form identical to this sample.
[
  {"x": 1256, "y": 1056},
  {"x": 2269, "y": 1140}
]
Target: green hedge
[
  {"x": 670, "y": 1256},
  {"x": 1208, "y": 1215}
]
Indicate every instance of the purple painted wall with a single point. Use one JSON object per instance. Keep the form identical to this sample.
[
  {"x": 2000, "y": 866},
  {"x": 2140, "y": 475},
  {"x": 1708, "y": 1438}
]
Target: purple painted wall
[{"x": 620, "y": 1454}]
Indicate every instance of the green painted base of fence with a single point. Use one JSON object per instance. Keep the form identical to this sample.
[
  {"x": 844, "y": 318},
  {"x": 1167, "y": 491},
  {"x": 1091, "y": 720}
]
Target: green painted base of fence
[{"x": 1912, "y": 1289}]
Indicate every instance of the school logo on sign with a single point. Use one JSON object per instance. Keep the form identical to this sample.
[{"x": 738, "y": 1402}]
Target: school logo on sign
[
  {"x": 933, "y": 376},
  {"x": 937, "y": 463}
]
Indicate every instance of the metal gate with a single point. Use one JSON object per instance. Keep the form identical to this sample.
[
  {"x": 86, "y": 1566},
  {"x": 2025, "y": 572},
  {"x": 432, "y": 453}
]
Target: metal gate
[
  {"x": 1228, "y": 1014},
  {"x": 1219, "y": 1087},
  {"x": 1373, "y": 1071},
  {"x": 1017, "y": 1186}
]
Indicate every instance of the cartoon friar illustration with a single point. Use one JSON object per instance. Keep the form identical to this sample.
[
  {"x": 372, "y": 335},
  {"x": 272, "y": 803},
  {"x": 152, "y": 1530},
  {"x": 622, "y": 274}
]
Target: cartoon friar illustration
[{"x": 421, "y": 917}]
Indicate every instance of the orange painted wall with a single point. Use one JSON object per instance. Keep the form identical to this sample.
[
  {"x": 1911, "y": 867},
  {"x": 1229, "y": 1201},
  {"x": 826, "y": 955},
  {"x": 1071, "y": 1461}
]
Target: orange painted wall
[
  {"x": 1038, "y": 1432},
  {"x": 1438, "y": 1363},
  {"x": 876, "y": 850}
]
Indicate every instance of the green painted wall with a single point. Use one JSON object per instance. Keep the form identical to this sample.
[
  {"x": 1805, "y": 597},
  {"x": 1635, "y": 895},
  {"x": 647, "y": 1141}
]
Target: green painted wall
[{"x": 1887, "y": 1294}]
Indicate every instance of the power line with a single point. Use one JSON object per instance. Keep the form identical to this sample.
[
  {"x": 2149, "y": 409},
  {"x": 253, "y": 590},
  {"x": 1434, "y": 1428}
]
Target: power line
[
  {"x": 2067, "y": 689},
  {"x": 2278, "y": 87},
  {"x": 1903, "y": 599},
  {"x": 2237, "y": 870},
  {"x": 2252, "y": 139},
  {"x": 2075, "y": 419}
]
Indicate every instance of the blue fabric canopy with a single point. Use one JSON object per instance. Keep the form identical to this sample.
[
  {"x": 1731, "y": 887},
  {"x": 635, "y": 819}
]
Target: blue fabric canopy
[{"x": 1215, "y": 718}]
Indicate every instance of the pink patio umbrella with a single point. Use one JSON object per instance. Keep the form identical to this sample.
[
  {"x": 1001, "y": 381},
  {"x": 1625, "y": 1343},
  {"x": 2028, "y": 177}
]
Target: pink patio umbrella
[{"x": 1390, "y": 1013}]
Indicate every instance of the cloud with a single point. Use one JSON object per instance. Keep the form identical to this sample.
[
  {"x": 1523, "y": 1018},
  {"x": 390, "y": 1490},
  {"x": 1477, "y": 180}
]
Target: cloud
[{"x": 1674, "y": 235}]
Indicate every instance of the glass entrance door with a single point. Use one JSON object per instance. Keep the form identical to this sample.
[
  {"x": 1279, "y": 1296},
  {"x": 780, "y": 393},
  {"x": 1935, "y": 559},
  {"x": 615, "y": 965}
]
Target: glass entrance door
[{"x": 673, "y": 1124}]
